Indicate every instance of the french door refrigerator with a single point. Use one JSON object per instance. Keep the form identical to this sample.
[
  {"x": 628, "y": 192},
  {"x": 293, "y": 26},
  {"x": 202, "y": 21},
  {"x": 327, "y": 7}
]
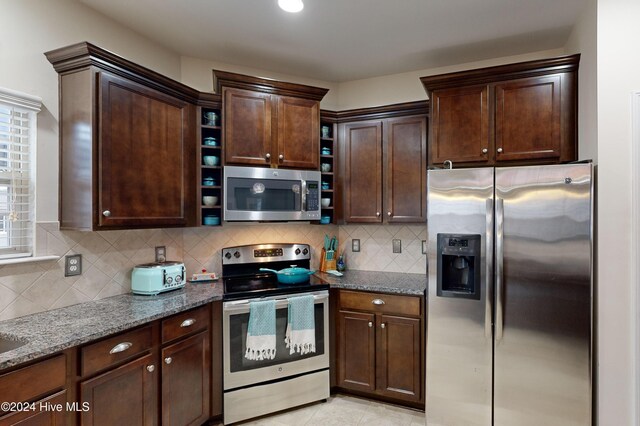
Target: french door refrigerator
[{"x": 509, "y": 329}]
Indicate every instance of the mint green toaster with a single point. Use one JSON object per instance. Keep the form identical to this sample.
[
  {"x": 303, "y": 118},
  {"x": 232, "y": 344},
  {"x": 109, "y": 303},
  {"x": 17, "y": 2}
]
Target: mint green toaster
[{"x": 154, "y": 278}]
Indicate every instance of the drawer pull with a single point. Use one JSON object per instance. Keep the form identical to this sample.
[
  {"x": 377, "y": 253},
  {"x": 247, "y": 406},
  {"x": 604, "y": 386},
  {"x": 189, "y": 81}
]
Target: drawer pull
[
  {"x": 188, "y": 322},
  {"x": 120, "y": 347},
  {"x": 151, "y": 368},
  {"x": 370, "y": 324},
  {"x": 383, "y": 325},
  {"x": 168, "y": 360},
  {"x": 377, "y": 302}
]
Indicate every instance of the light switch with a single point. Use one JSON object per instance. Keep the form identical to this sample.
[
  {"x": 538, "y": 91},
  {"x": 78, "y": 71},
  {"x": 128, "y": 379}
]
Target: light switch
[{"x": 424, "y": 246}]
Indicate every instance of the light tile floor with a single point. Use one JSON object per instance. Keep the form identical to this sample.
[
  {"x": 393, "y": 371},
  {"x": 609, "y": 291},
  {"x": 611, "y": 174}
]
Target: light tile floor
[{"x": 344, "y": 410}]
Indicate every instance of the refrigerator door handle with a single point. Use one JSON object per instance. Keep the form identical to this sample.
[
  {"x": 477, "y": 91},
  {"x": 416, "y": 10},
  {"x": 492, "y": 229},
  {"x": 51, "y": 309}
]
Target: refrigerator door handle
[
  {"x": 499, "y": 267},
  {"x": 489, "y": 269}
]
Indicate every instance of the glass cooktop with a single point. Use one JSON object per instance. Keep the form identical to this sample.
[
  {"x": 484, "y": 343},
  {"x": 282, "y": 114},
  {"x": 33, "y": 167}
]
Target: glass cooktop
[{"x": 266, "y": 284}]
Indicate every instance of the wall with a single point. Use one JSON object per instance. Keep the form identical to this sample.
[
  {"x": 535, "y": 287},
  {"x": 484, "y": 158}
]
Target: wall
[
  {"x": 30, "y": 28},
  {"x": 618, "y": 75}
]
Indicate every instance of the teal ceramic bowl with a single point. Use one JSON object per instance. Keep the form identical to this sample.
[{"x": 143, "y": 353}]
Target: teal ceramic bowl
[
  {"x": 211, "y": 220},
  {"x": 325, "y": 220}
]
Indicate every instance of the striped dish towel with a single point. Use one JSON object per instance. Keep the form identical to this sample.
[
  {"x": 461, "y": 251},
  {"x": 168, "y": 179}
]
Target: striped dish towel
[
  {"x": 300, "y": 336},
  {"x": 261, "y": 335}
]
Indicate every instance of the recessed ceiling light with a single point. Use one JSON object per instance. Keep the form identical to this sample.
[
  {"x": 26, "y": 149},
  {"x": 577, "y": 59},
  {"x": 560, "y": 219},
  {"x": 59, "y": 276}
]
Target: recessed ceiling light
[{"x": 292, "y": 6}]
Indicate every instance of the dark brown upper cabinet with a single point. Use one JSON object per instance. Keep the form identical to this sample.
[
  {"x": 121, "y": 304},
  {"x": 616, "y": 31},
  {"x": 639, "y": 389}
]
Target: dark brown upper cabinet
[
  {"x": 127, "y": 143},
  {"x": 383, "y": 165},
  {"x": 522, "y": 113},
  {"x": 270, "y": 123}
]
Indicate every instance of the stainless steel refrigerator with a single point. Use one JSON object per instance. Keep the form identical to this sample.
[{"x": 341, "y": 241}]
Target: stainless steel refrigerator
[{"x": 509, "y": 329}]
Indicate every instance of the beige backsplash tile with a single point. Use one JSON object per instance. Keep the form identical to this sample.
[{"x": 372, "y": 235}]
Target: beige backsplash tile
[{"x": 109, "y": 256}]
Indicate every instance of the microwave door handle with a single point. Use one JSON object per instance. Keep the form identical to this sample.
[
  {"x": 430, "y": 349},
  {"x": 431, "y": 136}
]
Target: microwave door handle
[{"x": 303, "y": 193}]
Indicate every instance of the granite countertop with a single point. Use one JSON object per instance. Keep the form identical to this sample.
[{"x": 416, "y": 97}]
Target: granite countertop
[
  {"x": 52, "y": 331},
  {"x": 381, "y": 282}
]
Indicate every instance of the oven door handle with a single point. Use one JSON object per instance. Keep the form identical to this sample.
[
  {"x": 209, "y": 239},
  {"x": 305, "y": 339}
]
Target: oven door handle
[{"x": 243, "y": 305}]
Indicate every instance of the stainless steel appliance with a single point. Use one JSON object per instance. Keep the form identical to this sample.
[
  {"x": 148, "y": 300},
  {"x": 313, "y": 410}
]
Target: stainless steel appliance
[
  {"x": 261, "y": 194},
  {"x": 255, "y": 388},
  {"x": 509, "y": 330},
  {"x": 158, "y": 277}
]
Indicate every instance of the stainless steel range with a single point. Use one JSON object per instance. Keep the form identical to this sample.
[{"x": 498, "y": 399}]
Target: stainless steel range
[{"x": 254, "y": 388}]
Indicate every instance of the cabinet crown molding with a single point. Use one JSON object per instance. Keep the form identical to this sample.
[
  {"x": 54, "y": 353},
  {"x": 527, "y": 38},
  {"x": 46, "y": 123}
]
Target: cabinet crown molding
[
  {"x": 266, "y": 85},
  {"x": 488, "y": 75}
]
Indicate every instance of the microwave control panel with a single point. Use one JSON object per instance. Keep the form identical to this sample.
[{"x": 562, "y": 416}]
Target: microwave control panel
[{"x": 313, "y": 199}]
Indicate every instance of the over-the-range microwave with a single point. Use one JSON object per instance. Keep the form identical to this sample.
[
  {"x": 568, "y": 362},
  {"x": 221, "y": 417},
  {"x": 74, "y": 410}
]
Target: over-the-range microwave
[{"x": 262, "y": 194}]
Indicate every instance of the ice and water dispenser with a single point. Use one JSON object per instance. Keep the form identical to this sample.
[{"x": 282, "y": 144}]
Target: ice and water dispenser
[{"x": 459, "y": 266}]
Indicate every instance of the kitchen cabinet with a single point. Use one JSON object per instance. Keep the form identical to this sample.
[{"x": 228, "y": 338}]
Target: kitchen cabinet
[
  {"x": 210, "y": 176},
  {"x": 39, "y": 384},
  {"x": 384, "y": 170},
  {"x": 521, "y": 113},
  {"x": 380, "y": 345},
  {"x": 270, "y": 123},
  {"x": 127, "y": 143}
]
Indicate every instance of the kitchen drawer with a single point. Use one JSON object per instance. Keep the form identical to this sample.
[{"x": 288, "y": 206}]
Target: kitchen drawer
[
  {"x": 185, "y": 323},
  {"x": 40, "y": 413},
  {"x": 36, "y": 380},
  {"x": 391, "y": 303},
  {"x": 106, "y": 353}
]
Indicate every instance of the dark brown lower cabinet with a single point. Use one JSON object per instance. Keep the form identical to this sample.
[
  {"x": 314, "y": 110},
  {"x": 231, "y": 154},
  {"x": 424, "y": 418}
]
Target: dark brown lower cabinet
[
  {"x": 41, "y": 416},
  {"x": 380, "y": 353},
  {"x": 186, "y": 370},
  {"x": 126, "y": 395}
]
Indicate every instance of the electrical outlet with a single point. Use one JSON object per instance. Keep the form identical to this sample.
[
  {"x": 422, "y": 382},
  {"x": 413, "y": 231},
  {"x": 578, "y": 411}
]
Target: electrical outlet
[
  {"x": 397, "y": 246},
  {"x": 355, "y": 245},
  {"x": 161, "y": 253},
  {"x": 72, "y": 265},
  {"x": 424, "y": 246}
]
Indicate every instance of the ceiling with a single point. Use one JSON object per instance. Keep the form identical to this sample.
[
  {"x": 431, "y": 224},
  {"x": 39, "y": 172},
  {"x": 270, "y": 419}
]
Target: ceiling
[{"x": 342, "y": 40}]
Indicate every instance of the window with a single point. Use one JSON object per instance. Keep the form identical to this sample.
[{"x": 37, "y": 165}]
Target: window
[{"x": 18, "y": 113}]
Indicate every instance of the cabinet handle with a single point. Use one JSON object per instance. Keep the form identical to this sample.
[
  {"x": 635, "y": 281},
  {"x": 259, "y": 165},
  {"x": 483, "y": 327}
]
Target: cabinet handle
[
  {"x": 377, "y": 302},
  {"x": 389, "y": 214},
  {"x": 151, "y": 368},
  {"x": 188, "y": 322},
  {"x": 281, "y": 157},
  {"x": 106, "y": 213},
  {"x": 485, "y": 150},
  {"x": 168, "y": 360},
  {"x": 499, "y": 149},
  {"x": 370, "y": 324},
  {"x": 268, "y": 156},
  {"x": 120, "y": 347},
  {"x": 383, "y": 325},
  {"x": 378, "y": 214}
]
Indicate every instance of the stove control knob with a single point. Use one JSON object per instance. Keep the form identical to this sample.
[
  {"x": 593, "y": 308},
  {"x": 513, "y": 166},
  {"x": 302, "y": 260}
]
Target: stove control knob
[
  {"x": 228, "y": 255},
  {"x": 297, "y": 251},
  {"x": 236, "y": 254},
  {"x": 305, "y": 251}
]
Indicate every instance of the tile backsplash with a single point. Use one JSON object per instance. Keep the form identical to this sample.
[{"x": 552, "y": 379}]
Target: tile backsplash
[{"x": 108, "y": 257}]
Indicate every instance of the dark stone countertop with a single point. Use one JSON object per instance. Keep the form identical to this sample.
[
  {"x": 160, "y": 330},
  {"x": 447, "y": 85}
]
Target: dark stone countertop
[{"x": 52, "y": 331}]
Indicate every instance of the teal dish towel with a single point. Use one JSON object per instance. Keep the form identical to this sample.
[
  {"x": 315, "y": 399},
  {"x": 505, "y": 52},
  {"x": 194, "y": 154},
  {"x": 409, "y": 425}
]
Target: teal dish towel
[
  {"x": 261, "y": 335},
  {"x": 300, "y": 336}
]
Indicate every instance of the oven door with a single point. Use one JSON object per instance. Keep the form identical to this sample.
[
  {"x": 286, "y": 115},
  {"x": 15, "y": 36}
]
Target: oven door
[{"x": 239, "y": 371}]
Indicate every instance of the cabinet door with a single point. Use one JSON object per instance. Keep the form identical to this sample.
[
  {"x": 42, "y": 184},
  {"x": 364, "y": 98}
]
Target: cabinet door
[
  {"x": 460, "y": 125},
  {"x": 298, "y": 139},
  {"x": 362, "y": 153},
  {"x": 186, "y": 370},
  {"x": 399, "y": 364},
  {"x": 247, "y": 127},
  {"x": 126, "y": 395},
  {"x": 43, "y": 415},
  {"x": 356, "y": 351},
  {"x": 146, "y": 158},
  {"x": 528, "y": 118},
  {"x": 405, "y": 151}
]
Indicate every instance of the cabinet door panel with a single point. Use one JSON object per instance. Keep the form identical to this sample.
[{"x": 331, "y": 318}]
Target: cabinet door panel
[
  {"x": 398, "y": 361},
  {"x": 528, "y": 118},
  {"x": 185, "y": 381},
  {"x": 363, "y": 171},
  {"x": 40, "y": 416},
  {"x": 405, "y": 150},
  {"x": 460, "y": 125},
  {"x": 298, "y": 139},
  {"x": 146, "y": 173},
  {"x": 247, "y": 127},
  {"x": 124, "y": 396},
  {"x": 356, "y": 351}
]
